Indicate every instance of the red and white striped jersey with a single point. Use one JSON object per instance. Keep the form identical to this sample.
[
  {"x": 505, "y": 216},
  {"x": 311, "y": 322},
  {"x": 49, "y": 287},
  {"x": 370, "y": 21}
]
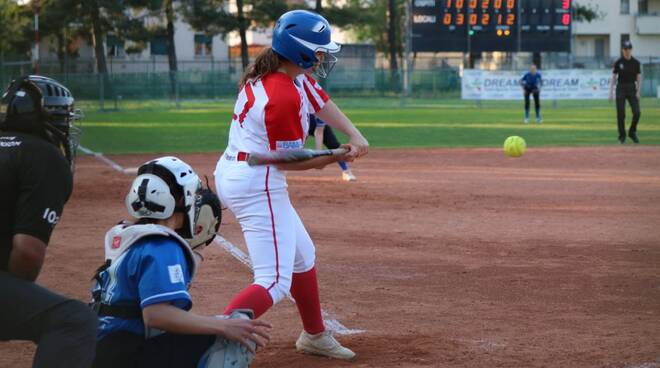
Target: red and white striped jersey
[{"x": 272, "y": 113}]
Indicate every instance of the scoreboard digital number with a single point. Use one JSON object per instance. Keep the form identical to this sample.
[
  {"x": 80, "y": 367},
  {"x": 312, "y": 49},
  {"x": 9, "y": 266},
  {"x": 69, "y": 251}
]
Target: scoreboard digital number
[
  {"x": 545, "y": 25},
  {"x": 491, "y": 25}
]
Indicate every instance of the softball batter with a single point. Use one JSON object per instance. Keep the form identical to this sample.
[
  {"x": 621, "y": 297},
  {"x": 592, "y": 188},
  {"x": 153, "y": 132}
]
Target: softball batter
[{"x": 271, "y": 113}]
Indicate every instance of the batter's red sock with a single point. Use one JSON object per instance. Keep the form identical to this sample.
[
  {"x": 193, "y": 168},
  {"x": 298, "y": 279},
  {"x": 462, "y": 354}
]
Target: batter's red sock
[
  {"x": 254, "y": 297},
  {"x": 305, "y": 290}
]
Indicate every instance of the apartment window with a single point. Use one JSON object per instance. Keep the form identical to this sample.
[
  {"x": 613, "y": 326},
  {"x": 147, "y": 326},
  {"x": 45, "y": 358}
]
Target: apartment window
[
  {"x": 115, "y": 46},
  {"x": 203, "y": 45},
  {"x": 599, "y": 48},
  {"x": 159, "y": 45},
  {"x": 643, "y": 7},
  {"x": 625, "y": 6}
]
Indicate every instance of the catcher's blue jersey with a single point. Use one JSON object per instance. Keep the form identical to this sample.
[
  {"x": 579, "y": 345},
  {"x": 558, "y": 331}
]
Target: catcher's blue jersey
[{"x": 152, "y": 271}]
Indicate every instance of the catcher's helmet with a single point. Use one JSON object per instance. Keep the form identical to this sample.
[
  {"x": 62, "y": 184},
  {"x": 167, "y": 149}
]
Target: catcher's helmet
[
  {"x": 41, "y": 106},
  {"x": 299, "y": 34},
  {"x": 162, "y": 187}
]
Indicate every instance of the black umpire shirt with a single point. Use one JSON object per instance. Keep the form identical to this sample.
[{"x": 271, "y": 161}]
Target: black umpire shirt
[
  {"x": 35, "y": 183},
  {"x": 627, "y": 70}
]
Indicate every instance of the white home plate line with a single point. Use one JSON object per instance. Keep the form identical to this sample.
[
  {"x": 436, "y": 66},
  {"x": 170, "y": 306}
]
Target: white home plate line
[{"x": 331, "y": 323}]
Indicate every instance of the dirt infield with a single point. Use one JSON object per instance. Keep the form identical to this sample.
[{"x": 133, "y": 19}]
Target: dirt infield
[{"x": 448, "y": 258}]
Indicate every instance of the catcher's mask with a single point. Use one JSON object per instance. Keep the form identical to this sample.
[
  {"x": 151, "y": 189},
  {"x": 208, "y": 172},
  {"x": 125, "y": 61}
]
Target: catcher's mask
[
  {"x": 165, "y": 186},
  {"x": 43, "y": 107}
]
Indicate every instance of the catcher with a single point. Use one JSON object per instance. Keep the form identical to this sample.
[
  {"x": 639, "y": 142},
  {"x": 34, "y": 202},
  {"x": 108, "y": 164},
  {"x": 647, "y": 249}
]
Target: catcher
[{"x": 141, "y": 292}]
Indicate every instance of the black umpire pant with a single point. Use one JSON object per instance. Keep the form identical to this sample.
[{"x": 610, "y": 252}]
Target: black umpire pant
[
  {"x": 128, "y": 350},
  {"x": 64, "y": 329},
  {"x": 627, "y": 91}
]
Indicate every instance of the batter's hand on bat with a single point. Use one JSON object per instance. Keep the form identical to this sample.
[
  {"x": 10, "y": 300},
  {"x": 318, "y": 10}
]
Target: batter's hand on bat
[
  {"x": 349, "y": 155},
  {"x": 359, "y": 146}
]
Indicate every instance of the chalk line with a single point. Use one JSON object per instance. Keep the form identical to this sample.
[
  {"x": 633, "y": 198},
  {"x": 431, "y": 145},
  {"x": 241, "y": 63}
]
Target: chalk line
[
  {"x": 331, "y": 323},
  {"x": 108, "y": 161}
]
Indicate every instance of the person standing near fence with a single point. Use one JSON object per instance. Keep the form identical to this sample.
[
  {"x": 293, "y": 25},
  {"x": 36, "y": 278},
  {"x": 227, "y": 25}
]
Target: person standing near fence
[
  {"x": 627, "y": 76},
  {"x": 531, "y": 85}
]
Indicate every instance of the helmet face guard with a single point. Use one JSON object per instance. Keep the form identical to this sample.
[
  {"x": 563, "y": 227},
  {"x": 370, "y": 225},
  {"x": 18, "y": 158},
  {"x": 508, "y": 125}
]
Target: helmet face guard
[
  {"x": 322, "y": 69},
  {"x": 41, "y": 106}
]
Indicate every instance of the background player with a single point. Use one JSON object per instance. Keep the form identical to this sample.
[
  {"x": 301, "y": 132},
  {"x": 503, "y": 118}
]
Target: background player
[
  {"x": 531, "y": 84},
  {"x": 271, "y": 113},
  {"x": 627, "y": 76},
  {"x": 323, "y": 135},
  {"x": 142, "y": 289},
  {"x": 36, "y": 157}
]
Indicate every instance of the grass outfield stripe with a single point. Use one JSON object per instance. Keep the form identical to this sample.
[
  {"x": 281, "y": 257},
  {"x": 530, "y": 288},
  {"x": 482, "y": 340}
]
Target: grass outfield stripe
[
  {"x": 545, "y": 126},
  {"x": 203, "y": 127}
]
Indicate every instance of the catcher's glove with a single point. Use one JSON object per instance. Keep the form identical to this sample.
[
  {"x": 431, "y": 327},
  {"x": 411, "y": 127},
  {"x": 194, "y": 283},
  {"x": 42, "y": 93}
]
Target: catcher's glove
[{"x": 225, "y": 353}]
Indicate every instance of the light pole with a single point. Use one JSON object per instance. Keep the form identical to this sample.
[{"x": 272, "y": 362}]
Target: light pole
[{"x": 36, "y": 6}]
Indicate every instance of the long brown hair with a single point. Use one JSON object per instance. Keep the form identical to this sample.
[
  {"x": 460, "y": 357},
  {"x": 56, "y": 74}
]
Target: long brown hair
[{"x": 266, "y": 62}]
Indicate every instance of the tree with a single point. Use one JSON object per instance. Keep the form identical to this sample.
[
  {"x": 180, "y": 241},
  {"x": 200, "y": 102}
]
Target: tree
[
  {"x": 213, "y": 17},
  {"x": 171, "y": 47},
  {"x": 242, "y": 28},
  {"x": 587, "y": 13},
  {"x": 59, "y": 22},
  {"x": 210, "y": 17},
  {"x": 351, "y": 14},
  {"x": 16, "y": 21},
  {"x": 102, "y": 17},
  {"x": 393, "y": 28},
  {"x": 381, "y": 24},
  {"x": 166, "y": 8}
]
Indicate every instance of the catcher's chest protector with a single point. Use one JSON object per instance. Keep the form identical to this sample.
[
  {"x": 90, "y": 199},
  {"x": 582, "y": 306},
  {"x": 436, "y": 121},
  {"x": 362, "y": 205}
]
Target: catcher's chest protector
[{"x": 120, "y": 238}]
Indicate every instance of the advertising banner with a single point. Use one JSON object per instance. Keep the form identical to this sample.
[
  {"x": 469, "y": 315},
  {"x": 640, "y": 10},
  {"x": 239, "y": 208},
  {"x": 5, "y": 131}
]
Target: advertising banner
[{"x": 560, "y": 84}]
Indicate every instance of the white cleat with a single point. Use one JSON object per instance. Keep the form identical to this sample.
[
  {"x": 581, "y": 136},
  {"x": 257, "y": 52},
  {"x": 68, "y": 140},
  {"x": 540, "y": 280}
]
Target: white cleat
[
  {"x": 526, "y": 121},
  {"x": 348, "y": 176},
  {"x": 323, "y": 344},
  {"x": 539, "y": 120}
]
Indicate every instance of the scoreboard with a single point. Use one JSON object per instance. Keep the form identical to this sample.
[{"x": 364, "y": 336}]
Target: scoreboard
[{"x": 491, "y": 25}]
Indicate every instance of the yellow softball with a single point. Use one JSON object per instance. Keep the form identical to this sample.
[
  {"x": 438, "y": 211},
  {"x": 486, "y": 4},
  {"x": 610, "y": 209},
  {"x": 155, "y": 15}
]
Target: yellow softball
[{"x": 514, "y": 146}]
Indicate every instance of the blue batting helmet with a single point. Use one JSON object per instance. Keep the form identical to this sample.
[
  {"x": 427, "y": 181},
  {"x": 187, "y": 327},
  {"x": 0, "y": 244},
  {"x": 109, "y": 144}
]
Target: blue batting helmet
[{"x": 299, "y": 34}]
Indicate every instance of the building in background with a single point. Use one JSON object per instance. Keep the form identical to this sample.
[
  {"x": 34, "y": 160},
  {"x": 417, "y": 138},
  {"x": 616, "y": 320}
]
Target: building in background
[
  {"x": 194, "y": 51},
  {"x": 634, "y": 20},
  {"x": 258, "y": 36}
]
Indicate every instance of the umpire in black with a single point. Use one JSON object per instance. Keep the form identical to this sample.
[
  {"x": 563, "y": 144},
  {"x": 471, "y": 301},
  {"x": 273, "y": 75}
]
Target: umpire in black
[
  {"x": 627, "y": 76},
  {"x": 36, "y": 160}
]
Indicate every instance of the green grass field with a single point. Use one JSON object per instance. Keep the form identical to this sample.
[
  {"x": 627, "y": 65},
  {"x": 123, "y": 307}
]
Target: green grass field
[{"x": 158, "y": 127}]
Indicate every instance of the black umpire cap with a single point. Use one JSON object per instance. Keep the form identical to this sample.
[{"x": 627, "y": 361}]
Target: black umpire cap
[{"x": 627, "y": 45}]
